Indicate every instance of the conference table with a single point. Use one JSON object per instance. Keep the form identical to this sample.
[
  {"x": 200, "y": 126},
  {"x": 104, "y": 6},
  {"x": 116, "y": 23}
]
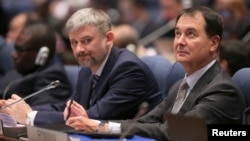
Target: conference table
[
  {"x": 85, "y": 138},
  {"x": 38, "y": 133}
]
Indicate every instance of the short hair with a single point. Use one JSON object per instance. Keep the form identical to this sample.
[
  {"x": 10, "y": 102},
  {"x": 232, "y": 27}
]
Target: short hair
[
  {"x": 236, "y": 53},
  {"x": 89, "y": 16},
  {"x": 41, "y": 35},
  {"x": 213, "y": 22}
]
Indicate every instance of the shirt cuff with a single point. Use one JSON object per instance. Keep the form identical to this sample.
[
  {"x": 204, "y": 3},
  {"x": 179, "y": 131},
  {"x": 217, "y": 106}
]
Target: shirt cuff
[
  {"x": 30, "y": 118},
  {"x": 114, "y": 127}
]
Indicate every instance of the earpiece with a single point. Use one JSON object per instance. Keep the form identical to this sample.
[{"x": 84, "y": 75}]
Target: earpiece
[{"x": 42, "y": 56}]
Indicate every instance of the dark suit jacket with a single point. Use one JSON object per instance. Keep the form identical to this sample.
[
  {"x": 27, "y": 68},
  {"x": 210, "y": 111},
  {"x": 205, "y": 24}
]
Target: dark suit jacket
[
  {"x": 124, "y": 84},
  {"x": 14, "y": 82},
  {"x": 215, "y": 98}
]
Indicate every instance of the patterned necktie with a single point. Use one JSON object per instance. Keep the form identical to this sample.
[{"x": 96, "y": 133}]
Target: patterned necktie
[
  {"x": 95, "y": 78},
  {"x": 180, "y": 96}
]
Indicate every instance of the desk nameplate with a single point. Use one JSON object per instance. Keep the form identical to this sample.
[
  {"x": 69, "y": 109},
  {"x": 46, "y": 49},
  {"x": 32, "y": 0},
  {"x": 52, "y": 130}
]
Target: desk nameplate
[{"x": 42, "y": 134}]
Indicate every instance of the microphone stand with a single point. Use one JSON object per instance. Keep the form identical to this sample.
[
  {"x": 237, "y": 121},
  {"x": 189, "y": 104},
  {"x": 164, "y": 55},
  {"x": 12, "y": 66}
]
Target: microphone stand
[{"x": 50, "y": 86}]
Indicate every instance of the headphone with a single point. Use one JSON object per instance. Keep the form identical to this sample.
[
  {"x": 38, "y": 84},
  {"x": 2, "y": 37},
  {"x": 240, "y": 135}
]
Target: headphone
[{"x": 42, "y": 56}]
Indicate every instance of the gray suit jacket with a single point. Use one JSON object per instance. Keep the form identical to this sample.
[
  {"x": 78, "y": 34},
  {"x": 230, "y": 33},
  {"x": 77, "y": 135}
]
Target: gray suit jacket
[{"x": 215, "y": 98}]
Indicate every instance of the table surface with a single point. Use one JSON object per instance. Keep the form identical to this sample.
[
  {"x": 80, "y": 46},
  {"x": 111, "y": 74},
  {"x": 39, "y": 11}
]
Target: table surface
[
  {"x": 4, "y": 138},
  {"x": 86, "y": 138}
]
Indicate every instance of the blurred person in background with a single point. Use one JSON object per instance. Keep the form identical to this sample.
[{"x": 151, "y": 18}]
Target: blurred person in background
[
  {"x": 234, "y": 55},
  {"x": 235, "y": 16},
  {"x": 18, "y": 22},
  {"x": 137, "y": 14},
  {"x": 35, "y": 68},
  {"x": 126, "y": 36}
]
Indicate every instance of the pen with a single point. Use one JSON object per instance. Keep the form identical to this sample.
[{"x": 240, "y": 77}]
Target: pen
[{"x": 69, "y": 109}]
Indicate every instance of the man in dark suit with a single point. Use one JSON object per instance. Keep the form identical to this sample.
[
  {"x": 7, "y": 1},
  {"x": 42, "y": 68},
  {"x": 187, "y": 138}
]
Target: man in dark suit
[
  {"x": 34, "y": 69},
  {"x": 124, "y": 80},
  {"x": 210, "y": 92}
]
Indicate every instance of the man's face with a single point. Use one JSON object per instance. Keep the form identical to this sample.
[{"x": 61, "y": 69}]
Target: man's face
[
  {"x": 90, "y": 46},
  {"x": 192, "y": 47},
  {"x": 24, "y": 55}
]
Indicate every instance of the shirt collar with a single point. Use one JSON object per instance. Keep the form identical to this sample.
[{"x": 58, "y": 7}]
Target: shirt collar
[
  {"x": 100, "y": 69},
  {"x": 194, "y": 77}
]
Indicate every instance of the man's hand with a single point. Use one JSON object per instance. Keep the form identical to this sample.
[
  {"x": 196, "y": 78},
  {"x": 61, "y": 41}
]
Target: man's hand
[
  {"x": 75, "y": 110},
  {"x": 82, "y": 123},
  {"x": 18, "y": 110}
]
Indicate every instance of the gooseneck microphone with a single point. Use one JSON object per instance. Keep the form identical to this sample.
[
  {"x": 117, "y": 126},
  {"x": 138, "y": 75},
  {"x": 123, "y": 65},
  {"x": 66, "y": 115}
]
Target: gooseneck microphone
[
  {"x": 141, "y": 111},
  {"x": 50, "y": 86}
]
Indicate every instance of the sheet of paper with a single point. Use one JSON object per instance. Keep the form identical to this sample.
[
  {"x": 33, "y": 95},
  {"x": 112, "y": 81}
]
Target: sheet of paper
[{"x": 7, "y": 120}]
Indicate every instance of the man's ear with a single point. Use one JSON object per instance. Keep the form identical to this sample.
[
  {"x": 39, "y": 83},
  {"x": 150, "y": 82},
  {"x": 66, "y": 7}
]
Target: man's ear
[
  {"x": 215, "y": 43},
  {"x": 110, "y": 36}
]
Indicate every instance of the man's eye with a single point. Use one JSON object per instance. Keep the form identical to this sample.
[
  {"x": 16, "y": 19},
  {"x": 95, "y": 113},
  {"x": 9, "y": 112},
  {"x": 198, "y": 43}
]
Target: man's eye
[
  {"x": 177, "y": 33},
  {"x": 191, "y": 34},
  {"x": 86, "y": 41},
  {"x": 73, "y": 42}
]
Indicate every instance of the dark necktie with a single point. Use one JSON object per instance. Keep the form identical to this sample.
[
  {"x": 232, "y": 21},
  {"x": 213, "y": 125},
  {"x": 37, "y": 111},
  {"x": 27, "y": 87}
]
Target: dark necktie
[
  {"x": 180, "y": 96},
  {"x": 95, "y": 78}
]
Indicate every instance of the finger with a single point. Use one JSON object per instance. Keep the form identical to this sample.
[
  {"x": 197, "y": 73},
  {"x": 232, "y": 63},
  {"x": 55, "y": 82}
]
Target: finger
[
  {"x": 76, "y": 110},
  {"x": 74, "y": 122},
  {"x": 77, "y": 105},
  {"x": 2, "y": 103},
  {"x": 65, "y": 113},
  {"x": 68, "y": 103},
  {"x": 15, "y": 97}
]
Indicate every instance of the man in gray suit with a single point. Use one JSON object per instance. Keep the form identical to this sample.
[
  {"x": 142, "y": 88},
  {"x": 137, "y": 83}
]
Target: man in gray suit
[{"x": 211, "y": 94}]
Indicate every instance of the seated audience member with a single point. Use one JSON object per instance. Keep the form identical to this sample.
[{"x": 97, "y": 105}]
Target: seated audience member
[
  {"x": 234, "y": 55},
  {"x": 112, "y": 83},
  {"x": 23, "y": 19},
  {"x": 235, "y": 16},
  {"x": 18, "y": 22},
  {"x": 34, "y": 68},
  {"x": 126, "y": 36},
  {"x": 16, "y": 25},
  {"x": 5, "y": 54},
  {"x": 209, "y": 93}
]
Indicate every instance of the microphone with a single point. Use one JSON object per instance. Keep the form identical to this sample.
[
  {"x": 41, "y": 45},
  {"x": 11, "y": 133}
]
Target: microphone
[
  {"x": 141, "y": 111},
  {"x": 50, "y": 86}
]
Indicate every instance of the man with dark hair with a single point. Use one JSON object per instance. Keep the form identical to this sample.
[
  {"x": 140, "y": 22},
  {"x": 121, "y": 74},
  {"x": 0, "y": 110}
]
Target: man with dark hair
[
  {"x": 209, "y": 93},
  {"x": 33, "y": 58},
  {"x": 234, "y": 55}
]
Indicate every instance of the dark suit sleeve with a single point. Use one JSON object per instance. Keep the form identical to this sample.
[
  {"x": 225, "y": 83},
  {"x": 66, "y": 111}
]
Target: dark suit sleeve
[
  {"x": 49, "y": 114},
  {"x": 150, "y": 125},
  {"x": 54, "y": 95}
]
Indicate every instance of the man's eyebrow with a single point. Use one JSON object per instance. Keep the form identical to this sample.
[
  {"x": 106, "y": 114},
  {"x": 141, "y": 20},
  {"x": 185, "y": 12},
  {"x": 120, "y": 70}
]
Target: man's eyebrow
[{"x": 187, "y": 29}]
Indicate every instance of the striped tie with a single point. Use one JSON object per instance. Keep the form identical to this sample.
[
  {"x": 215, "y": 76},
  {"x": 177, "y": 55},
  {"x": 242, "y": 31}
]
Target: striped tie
[
  {"x": 95, "y": 78},
  {"x": 180, "y": 96}
]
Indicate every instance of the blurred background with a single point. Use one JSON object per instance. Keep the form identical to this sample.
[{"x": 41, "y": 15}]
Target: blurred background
[{"x": 145, "y": 27}]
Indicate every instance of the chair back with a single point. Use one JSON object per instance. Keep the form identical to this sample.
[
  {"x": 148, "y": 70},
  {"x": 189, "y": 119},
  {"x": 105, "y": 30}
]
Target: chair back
[
  {"x": 72, "y": 74},
  {"x": 242, "y": 79},
  {"x": 160, "y": 67},
  {"x": 165, "y": 73}
]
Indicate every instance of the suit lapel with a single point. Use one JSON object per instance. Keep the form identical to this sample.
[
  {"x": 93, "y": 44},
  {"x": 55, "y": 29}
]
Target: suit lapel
[
  {"x": 84, "y": 87},
  {"x": 201, "y": 84},
  {"x": 114, "y": 54}
]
